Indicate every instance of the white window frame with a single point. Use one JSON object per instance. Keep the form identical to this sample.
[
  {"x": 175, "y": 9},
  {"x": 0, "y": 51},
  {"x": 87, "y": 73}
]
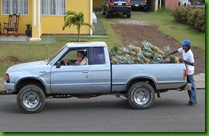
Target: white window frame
[
  {"x": 53, "y": 7},
  {"x": 14, "y": 7}
]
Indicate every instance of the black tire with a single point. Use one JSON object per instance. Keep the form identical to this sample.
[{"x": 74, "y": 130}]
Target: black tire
[
  {"x": 129, "y": 15},
  {"x": 103, "y": 12},
  {"x": 141, "y": 95},
  {"x": 31, "y": 99},
  {"x": 107, "y": 14}
]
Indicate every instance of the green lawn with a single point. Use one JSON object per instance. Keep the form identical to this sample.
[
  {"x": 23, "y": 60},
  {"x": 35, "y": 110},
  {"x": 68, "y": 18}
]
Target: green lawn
[
  {"x": 12, "y": 53},
  {"x": 169, "y": 26}
]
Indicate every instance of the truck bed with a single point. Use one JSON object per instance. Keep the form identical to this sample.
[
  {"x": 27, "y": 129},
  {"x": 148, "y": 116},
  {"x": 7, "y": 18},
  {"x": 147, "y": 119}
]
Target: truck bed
[{"x": 164, "y": 76}]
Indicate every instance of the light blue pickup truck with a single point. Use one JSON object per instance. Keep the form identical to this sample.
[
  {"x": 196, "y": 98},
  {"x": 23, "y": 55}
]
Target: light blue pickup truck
[{"x": 33, "y": 82}]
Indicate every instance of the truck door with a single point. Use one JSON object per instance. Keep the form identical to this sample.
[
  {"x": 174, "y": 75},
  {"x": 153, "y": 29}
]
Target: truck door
[{"x": 73, "y": 78}]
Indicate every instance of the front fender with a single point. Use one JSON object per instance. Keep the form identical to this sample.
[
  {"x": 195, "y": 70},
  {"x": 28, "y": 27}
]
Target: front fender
[{"x": 18, "y": 79}]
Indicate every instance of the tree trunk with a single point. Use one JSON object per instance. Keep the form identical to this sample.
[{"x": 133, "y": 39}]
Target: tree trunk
[{"x": 79, "y": 28}]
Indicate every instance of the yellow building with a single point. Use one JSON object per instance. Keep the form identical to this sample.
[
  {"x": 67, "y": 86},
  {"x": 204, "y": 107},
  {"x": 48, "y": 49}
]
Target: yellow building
[{"x": 46, "y": 16}]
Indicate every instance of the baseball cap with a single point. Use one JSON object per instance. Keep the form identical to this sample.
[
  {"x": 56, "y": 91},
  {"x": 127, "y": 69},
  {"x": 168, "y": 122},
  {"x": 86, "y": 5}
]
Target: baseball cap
[{"x": 186, "y": 43}]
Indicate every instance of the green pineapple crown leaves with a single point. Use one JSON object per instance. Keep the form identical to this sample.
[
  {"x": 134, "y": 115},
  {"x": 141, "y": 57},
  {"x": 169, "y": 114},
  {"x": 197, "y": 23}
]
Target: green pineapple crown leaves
[
  {"x": 147, "y": 46},
  {"x": 147, "y": 53},
  {"x": 131, "y": 47},
  {"x": 166, "y": 50}
]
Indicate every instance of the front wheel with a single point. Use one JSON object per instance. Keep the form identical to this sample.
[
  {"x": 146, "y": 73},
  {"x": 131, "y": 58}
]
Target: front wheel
[
  {"x": 31, "y": 99},
  {"x": 141, "y": 95},
  {"x": 129, "y": 15}
]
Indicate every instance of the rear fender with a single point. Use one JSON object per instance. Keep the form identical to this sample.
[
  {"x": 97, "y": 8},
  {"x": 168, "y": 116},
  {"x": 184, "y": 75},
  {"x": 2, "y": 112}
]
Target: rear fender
[{"x": 151, "y": 81}]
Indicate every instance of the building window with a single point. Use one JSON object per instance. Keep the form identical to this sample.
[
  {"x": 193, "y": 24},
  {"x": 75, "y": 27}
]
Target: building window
[
  {"x": 15, "y": 7},
  {"x": 53, "y": 7}
]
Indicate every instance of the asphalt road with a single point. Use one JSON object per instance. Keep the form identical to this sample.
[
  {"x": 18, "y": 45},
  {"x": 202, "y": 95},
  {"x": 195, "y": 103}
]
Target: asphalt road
[{"x": 169, "y": 113}]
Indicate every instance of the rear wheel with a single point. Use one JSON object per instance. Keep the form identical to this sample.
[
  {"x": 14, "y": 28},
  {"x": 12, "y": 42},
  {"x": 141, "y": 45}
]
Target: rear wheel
[
  {"x": 129, "y": 15},
  {"x": 31, "y": 99},
  {"x": 103, "y": 11},
  {"x": 107, "y": 14},
  {"x": 141, "y": 95}
]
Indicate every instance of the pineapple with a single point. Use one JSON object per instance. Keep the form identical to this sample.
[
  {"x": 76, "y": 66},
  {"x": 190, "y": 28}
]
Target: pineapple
[
  {"x": 157, "y": 58},
  {"x": 120, "y": 53},
  {"x": 127, "y": 60},
  {"x": 140, "y": 57},
  {"x": 148, "y": 55},
  {"x": 137, "y": 49},
  {"x": 134, "y": 59},
  {"x": 154, "y": 48},
  {"x": 167, "y": 60},
  {"x": 160, "y": 52},
  {"x": 133, "y": 53},
  {"x": 127, "y": 55},
  {"x": 166, "y": 50},
  {"x": 124, "y": 50},
  {"x": 131, "y": 47},
  {"x": 113, "y": 51},
  {"x": 114, "y": 60},
  {"x": 146, "y": 46},
  {"x": 176, "y": 59},
  {"x": 146, "y": 60}
]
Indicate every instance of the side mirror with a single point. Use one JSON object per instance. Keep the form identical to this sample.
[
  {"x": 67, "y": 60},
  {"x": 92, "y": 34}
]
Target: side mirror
[{"x": 58, "y": 64}]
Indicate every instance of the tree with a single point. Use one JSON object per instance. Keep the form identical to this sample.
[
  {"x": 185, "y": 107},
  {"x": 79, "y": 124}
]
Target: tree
[{"x": 75, "y": 19}]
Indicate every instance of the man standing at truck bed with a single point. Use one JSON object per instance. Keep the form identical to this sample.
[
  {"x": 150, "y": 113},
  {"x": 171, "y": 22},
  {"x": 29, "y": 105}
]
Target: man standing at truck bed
[{"x": 188, "y": 59}]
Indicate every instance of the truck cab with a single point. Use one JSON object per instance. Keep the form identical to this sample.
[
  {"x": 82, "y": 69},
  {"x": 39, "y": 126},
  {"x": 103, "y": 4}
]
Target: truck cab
[{"x": 75, "y": 76}]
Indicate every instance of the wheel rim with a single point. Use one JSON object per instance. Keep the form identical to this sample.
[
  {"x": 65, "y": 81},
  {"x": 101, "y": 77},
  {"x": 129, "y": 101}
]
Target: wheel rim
[
  {"x": 31, "y": 99},
  {"x": 141, "y": 96}
]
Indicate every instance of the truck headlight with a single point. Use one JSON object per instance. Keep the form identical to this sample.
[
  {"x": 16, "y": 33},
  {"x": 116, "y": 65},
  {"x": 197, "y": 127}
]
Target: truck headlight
[{"x": 7, "y": 78}]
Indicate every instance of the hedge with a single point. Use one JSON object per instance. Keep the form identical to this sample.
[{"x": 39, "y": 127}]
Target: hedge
[{"x": 195, "y": 17}]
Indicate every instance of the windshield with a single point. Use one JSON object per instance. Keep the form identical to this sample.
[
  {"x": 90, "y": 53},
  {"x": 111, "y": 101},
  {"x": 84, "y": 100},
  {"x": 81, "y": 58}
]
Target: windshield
[{"x": 55, "y": 55}]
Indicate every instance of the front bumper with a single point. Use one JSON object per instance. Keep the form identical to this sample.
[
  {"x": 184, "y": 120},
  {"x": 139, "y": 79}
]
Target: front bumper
[{"x": 10, "y": 87}]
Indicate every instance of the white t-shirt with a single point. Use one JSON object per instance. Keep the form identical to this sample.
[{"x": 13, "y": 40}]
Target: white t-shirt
[{"x": 188, "y": 57}]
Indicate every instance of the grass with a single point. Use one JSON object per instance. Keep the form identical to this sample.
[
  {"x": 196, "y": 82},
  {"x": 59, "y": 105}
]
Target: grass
[
  {"x": 169, "y": 26},
  {"x": 12, "y": 53}
]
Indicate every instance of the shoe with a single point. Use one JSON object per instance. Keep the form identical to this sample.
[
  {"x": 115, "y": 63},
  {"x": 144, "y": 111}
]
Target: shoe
[{"x": 192, "y": 104}]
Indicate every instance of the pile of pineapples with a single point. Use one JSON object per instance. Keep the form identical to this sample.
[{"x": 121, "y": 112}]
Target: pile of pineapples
[{"x": 146, "y": 54}]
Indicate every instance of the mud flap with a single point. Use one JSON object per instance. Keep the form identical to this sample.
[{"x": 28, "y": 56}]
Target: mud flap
[{"x": 158, "y": 93}]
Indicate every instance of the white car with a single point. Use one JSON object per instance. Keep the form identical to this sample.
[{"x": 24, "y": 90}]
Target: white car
[{"x": 184, "y": 3}]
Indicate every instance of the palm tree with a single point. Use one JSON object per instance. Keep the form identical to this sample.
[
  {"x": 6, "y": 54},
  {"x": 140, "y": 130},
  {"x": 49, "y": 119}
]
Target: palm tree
[{"x": 73, "y": 18}]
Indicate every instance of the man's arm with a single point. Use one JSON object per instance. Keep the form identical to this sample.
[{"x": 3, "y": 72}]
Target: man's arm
[
  {"x": 173, "y": 52},
  {"x": 186, "y": 62}
]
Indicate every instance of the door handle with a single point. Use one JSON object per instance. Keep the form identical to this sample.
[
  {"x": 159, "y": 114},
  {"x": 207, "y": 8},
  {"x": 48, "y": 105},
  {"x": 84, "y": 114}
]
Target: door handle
[{"x": 85, "y": 71}]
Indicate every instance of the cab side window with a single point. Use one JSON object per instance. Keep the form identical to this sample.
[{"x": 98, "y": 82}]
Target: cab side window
[{"x": 98, "y": 56}]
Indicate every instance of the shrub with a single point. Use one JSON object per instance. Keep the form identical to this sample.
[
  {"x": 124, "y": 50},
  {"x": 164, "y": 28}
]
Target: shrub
[{"x": 195, "y": 17}]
